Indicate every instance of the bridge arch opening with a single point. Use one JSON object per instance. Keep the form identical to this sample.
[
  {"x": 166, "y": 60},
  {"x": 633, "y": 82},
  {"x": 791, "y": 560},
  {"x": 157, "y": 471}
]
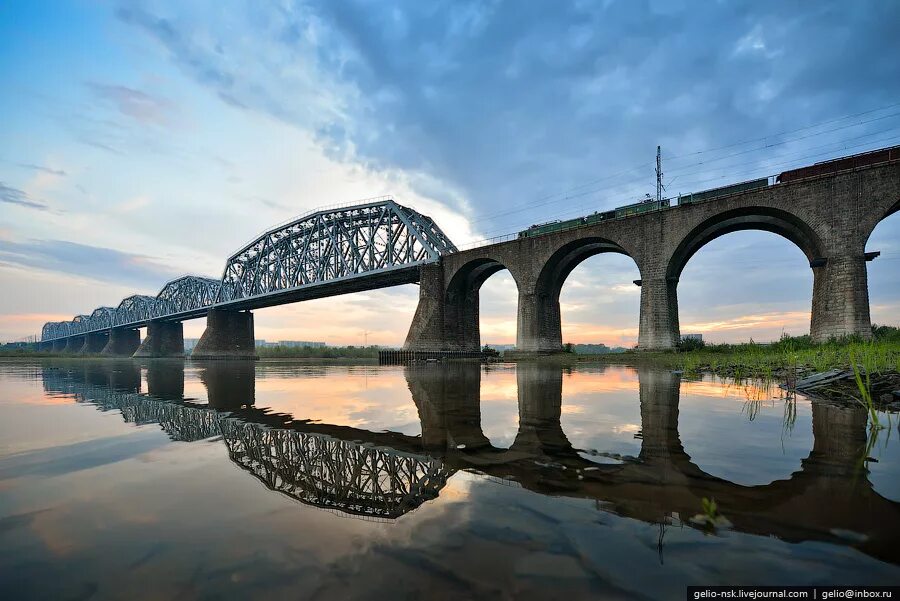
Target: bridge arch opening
[
  {"x": 760, "y": 277},
  {"x": 463, "y": 317},
  {"x": 764, "y": 219},
  {"x": 591, "y": 283},
  {"x": 752, "y": 285},
  {"x": 883, "y": 272}
]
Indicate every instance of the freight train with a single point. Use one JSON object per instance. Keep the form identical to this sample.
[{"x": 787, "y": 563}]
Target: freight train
[{"x": 647, "y": 206}]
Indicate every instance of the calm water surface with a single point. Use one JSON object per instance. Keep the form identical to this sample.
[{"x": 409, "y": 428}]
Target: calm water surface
[{"x": 180, "y": 480}]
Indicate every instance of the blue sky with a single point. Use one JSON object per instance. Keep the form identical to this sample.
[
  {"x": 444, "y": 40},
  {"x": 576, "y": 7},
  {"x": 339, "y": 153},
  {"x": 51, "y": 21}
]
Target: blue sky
[{"x": 144, "y": 140}]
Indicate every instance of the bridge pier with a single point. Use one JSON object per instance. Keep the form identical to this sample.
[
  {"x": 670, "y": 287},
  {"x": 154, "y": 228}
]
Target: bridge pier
[
  {"x": 658, "y": 326},
  {"x": 59, "y": 345},
  {"x": 228, "y": 335},
  {"x": 74, "y": 344},
  {"x": 426, "y": 332},
  {"x": 94, "y": 342},
  {"x": 164, "y": 339},
  {"x": 122, "y": 342},
  {"x": 840, "y": 304},
  {"x": 539, "y": 323}
]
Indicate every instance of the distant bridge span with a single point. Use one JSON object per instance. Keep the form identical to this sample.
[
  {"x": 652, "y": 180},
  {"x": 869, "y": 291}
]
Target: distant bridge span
[
  {"x": 828, "y": 210},
  {"x": 329, "y": 252}
]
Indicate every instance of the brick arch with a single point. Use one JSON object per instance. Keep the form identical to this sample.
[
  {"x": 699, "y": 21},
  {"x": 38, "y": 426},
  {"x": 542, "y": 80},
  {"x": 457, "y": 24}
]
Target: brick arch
[
  {"x": 462, "y": 330},
  {"x": 543, "y": 331},
  {"x": 768, "y": 219}
]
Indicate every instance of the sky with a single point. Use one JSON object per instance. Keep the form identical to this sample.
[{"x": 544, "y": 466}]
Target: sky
[{"x": 144, "y": 140}]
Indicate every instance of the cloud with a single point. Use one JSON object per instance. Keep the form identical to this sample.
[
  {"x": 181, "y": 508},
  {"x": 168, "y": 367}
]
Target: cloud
[
  {"x": 93, "y": 262},
  {"x": 138, "y": 105},
  {"x": 509, "y": 102},
  {"x": 41, "y": 168},
  {"x": 14, "y": 196}
]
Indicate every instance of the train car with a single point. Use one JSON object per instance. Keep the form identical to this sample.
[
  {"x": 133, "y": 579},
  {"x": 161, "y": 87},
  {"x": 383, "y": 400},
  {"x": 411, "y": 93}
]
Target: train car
[
  {"x": 852, "y": 162},
  {"x": 638, "y": 208},
  {"x": 551, "y": 226},
  {"x": 723, "y": 191},
  {"x": 598, "y": 217}
]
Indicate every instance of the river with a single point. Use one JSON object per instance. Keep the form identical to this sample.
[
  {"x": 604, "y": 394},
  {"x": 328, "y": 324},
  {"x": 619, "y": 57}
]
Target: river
[{"x": 283, "y": 479}]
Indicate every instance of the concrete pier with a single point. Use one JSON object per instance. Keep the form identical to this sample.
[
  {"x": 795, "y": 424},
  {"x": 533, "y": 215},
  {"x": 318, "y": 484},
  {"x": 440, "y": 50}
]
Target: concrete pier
[
  {"x": 122, "y": 342},
  {"x": 94, "y": 343},
  {"x": 228, "y": 335},
  {"x": 164, "y": 339},
  {"x": 74, "y": 344}
]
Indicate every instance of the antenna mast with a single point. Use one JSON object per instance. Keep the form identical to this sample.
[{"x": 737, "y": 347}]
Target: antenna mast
[{"x": 659, "y": 174}]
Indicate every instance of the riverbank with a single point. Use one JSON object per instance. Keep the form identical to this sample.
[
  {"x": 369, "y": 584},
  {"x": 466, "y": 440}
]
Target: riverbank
[{"x": 788, "y": 362}]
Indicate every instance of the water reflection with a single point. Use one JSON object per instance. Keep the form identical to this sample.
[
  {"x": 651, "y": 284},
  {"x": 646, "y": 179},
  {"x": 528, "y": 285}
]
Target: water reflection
[{"x": 383, "y": 475}]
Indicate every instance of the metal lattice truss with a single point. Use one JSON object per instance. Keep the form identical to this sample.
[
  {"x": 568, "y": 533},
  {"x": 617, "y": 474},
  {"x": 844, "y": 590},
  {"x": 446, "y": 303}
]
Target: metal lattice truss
[
  {"x": 315, "y": 469},
  {"x": 332, "y": 245},
  {"x": 325, "y": 246},
  {"x": 185, "y": 294}
]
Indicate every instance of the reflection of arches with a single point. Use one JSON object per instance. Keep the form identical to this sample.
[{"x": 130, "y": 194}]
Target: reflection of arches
[
  {"x": 448, "y": 399},
  {"x": 766, "y": 219},
  {"x": 462, "y": 330},
  {"x": 882, "y": 274},
  {"x": 540, "y": 324}
]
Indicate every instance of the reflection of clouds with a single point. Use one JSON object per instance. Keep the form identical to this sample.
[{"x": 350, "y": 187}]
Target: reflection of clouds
[
  {"x": 627, "y": 429},
  {"x": 500, "y": 406},
  {"x": 333, "y": 394}
]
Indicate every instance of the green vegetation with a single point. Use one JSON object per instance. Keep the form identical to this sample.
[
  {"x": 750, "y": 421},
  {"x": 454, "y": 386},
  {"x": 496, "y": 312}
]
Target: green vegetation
[
  {"x": 790, "y": 356},
  {"x": 318, "y": 352},
  {"x": 26, "y": 352}
]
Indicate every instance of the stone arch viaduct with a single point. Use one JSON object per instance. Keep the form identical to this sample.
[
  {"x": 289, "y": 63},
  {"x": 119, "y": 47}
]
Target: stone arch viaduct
[{"x": 829, "y": 217}]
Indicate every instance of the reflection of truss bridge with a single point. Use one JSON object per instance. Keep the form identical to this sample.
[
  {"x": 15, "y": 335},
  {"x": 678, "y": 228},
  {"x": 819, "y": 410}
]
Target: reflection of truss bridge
[
  {"x": 315, "y": 469},
  {"x": 323, "y": 471}
]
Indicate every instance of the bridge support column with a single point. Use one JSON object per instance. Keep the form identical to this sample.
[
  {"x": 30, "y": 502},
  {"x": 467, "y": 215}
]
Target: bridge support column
[
  {"x": 122, "y": 342},
  {"x": 539, "y": 325},
  {"x": 74, "y": 344},
  {"x": 658, "y": 329},
  {"x": 94, "y": 342},
  {"x": 59, "y": 345},
  {"x": 228, "y": 335},
  {"x": 164, "y": 339},
  {"x": 840, "y": 305},
  {"x": 426, "y": 332}
]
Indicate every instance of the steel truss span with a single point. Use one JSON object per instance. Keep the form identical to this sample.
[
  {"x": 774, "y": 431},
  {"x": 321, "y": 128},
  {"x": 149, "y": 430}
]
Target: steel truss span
[{"x": 352, "y": 246}]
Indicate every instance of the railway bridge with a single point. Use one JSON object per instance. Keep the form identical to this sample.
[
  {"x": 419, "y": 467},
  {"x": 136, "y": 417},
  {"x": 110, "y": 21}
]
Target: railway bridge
[
  {"x": 828, "y": 210},
  {"x": 829, "y": 217}
]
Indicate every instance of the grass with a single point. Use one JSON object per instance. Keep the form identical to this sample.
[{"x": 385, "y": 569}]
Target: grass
[
  {"x": 316, "y": 352},
  {"x": 781, "y": 360}
]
